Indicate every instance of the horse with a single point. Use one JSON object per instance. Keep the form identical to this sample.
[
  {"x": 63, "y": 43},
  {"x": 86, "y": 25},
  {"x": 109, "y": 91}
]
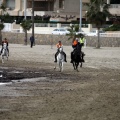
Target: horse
[
  {"x": 4, "y": 52},
  {"x": 76, "y": 59},
  {"x": 60, "y": 59}
]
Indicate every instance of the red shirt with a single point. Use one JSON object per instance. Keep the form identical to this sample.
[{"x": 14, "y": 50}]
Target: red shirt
[{"x": 5, "y": 41}]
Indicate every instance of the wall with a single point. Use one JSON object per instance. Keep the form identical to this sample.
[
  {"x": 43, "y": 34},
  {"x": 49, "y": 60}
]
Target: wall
[{"x": 45, "y": 39}]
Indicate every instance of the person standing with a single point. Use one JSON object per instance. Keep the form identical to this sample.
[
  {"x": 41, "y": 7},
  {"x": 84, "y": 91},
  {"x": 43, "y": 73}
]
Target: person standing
[{"x": 32, "y": 41}]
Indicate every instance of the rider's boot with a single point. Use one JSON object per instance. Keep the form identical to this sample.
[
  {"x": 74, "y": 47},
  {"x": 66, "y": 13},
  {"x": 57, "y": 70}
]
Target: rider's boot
[
  {"x": 65, "y": 59},
  {"x": 71, "y": 57},
  {"x": 71, "y": 61},
  {"x": 83, "y": 53},
  {"x": 64, "y": 56},
  {"x": 55, "y": 58},
  {"x": 82, "y": 59},
  {"x": 0, "y": 52}
]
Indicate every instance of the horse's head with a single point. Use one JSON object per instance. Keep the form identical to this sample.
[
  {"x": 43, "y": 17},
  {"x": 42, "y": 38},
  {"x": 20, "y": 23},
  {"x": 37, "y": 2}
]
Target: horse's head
[{"x": 61, "y": 49}]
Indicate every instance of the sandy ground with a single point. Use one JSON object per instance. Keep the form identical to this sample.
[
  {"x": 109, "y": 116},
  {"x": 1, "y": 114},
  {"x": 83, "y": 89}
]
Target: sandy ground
[{"x": 35, "y": 91}]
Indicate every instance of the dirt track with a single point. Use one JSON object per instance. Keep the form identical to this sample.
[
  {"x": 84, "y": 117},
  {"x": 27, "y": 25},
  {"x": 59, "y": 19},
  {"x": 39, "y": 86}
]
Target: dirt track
[{"x": 93, "y": 93}]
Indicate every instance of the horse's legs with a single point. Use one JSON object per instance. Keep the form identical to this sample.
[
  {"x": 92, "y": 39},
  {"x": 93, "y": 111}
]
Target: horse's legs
[
  {"x": 74, "y": 65},
  {"x": 81, "y": 64},
  {"x": 77, "y": 63},
  {"x": 2, "y": 59},
  {"x": 55, "y": 66},
  {"x": 62, "y": 66},
  {"x": 7, "y": 55}
]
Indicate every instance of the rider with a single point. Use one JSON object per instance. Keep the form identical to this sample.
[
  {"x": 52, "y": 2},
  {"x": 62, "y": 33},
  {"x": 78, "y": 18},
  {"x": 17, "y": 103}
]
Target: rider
[
  {"x": 82, "y": 41},
  {"x": 5, "y": 41},
  {"x": 58, "y": 45},
  {"x": 76, "y": 46}
]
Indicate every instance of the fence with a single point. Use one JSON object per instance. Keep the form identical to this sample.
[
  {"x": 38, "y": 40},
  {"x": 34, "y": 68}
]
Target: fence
[{"x": 109, "y": 34}]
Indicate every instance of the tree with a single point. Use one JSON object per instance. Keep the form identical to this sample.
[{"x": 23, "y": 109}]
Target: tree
[
  {"x": 3, "y": 7},
  {"x": 1, "y": 28},
  {"x": 26, "y": 25},
  {"x": 73, "y": 32},
  {"x": 96, "y": 14}
]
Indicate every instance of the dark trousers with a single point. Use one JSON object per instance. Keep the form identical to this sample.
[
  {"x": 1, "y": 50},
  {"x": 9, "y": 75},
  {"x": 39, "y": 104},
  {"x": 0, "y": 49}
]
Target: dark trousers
[
  {"x": 7, "y": 50},
  {"x": 32, "y": 44}
]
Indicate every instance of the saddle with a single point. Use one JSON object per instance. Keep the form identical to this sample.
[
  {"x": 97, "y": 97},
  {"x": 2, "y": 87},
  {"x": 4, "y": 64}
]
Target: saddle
[{"x": 76, "y": 52}]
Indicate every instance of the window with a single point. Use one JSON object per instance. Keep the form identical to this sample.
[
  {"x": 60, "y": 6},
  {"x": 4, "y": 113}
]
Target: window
[
  {"x": 10, "y": 4},
  {"x": 61, "y": 4},
  {"x": 53, "y": 24},
  {"x": 41, "y": 25}
]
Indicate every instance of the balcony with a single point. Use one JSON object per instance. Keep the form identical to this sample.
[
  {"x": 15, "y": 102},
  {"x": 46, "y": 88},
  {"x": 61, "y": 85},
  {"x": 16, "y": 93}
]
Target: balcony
[{"x": 115, "y": 9}]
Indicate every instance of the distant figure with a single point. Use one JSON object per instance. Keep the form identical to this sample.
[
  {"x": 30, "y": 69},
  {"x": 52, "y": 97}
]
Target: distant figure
[
  {"x": 32, "y": 41},
  {"x": 5, "y": 41},
  {"x": 82, "y": 41}
]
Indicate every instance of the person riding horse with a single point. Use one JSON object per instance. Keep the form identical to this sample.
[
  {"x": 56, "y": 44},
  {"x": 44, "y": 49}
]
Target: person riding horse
[
  {"x": 58, "y": 45},
  {"x": 4, "y": 41},
  {"x": 76, "y": 49}
]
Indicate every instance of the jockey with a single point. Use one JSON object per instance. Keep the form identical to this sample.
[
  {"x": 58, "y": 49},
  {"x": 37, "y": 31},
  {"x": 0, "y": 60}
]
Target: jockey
[
  {"x": 58, "y": 45},
  {"x": 76, "y": 44},
  {"x": 76, "y": 47},
  {"x": 5, "y": 41}
]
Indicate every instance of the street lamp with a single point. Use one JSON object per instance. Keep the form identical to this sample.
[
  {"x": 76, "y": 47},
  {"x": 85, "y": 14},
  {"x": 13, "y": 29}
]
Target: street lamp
[
  {"x": 25, "y": 4},
  {"x": 33, "y": 18},
  {"x": 80, "y": 24}
]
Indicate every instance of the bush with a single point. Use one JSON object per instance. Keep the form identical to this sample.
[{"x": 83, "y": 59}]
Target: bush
[{"x": 114, "y": 27}]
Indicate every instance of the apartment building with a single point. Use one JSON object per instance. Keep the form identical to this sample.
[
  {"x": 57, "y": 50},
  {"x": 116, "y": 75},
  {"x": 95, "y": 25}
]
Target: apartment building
[
  {"x": 59, "y": 10},
  {"x": 55, "y": 10}
]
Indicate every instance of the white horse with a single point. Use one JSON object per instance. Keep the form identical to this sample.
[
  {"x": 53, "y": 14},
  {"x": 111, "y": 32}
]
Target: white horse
[
  {"x": 4, "y": 52},
  {"x": 60, "y": 59}
]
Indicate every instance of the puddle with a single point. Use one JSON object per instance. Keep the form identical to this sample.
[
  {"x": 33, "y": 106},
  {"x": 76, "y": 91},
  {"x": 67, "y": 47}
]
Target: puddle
[
  {"x": 93, "y": 67},
  {"x": 15, "y": 72},
  {"x": 3, "y": 83},
  {"x": 30, "y": 79}
]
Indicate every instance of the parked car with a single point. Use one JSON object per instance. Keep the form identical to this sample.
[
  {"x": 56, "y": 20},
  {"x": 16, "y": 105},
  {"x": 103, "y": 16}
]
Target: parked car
[
  {"x": 60, "y": 31},
  {"x": 93, "y": 33}
]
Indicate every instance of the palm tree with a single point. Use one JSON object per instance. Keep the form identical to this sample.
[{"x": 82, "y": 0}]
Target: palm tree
[
  {"x": 97, "y": 14},
  {"x": 3, "y": 7},
  {"x": 72, "y": 32},
  {"x": 26, "y": 25},
  {"x": 1, "y": 28}
]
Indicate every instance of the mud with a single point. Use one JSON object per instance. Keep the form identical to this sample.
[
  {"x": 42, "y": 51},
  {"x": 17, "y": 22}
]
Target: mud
[{"x": 33, "y": 90}]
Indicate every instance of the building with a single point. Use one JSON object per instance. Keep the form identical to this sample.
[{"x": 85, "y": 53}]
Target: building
[
  {"x": 59, "y": 10},
  {"x": 52, "y": 10}
]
